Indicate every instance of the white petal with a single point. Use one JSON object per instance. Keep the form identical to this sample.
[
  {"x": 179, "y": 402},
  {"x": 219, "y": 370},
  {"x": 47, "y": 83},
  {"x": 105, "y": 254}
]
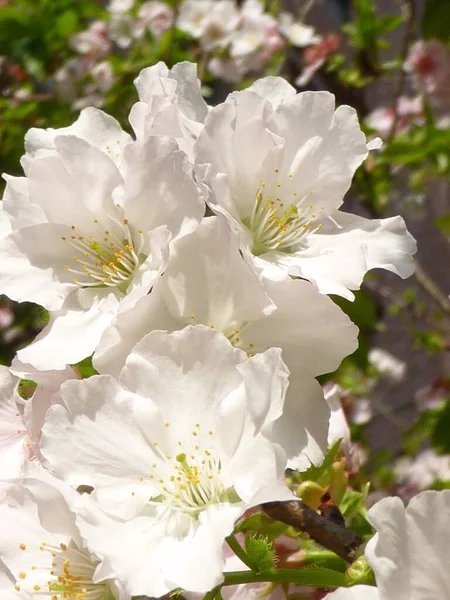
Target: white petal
[
  {"x": 17, "y": 206},
  {"x": 409, "y": 552},
  {"x": 313, "y": 332},
  {"x": 302, "y": 429},
  {"x": 187, "y": 374},
  {"x": 71, "y": 335},
  {"x": 128, "y": 328},
  {"x": 208, "y": 279},
  {"x": 159, "y": 187},
  {"x": 357, "y": 592},
  {"x": 266, "y": 380},
  {"x": 338, "y": 258},
  {"x": 335, "y": 146},
  {"x": 236, "y": 142},
  {"x": 274, "y": 89},
  {"x": 128, "y": 550},
  {"x": 93, "y": 125},
  {"x": 180, "y": 559},
  {"x": 13, "y": 433},
  {"x": 86, "y": 442},
  {"x": 32, "y": 265}
]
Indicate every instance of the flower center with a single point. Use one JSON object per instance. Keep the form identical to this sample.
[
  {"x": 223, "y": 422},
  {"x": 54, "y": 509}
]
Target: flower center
[
  {"x": 68, "y": 578},
  {"x": 190, "y": 481},
  {"x": 280, "y": 226},
  {"x": 106, "y": 259}
]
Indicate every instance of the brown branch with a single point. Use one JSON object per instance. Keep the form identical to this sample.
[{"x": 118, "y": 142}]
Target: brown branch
[{"x": 295, "y": 513}]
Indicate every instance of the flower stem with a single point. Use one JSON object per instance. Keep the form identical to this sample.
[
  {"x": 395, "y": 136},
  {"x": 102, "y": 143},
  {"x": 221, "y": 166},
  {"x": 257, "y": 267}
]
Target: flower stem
[
  {"x": 239, "y": 551},
  {"x": 314, "y": 577}
]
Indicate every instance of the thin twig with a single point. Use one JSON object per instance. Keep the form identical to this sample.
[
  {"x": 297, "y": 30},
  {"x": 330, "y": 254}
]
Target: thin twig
[
  {"x": 431, "y": 287},
  {"x": 295, "y": 513},
  {"x": 409, "y": 8}
]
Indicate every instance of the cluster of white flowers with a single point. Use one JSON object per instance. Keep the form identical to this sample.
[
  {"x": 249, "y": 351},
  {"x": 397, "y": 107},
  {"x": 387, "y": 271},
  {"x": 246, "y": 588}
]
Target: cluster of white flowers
[
  {"x": 236, "y": 39},
  {"x": 244, "y": 37},
  {"x": 207, "y": 331}
]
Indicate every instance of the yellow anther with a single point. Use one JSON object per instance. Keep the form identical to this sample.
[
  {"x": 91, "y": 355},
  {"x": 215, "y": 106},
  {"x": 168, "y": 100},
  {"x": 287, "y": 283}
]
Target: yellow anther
[
  {"x": 22, "y": 575},
  {"x": 22, "y": 546}
]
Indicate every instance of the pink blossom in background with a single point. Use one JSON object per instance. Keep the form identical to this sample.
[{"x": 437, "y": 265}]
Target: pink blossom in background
[
  {"x": 315, "y": 56},
  {"x": 429, "y": 64},
  {"x": 409, "y": 111}
]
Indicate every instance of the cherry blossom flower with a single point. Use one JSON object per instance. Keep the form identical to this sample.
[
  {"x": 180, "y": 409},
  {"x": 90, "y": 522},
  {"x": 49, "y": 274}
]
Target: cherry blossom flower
[
  {"x": 255, "y": 27},
  {"x": 120, "y": 6},
  {"x": 387, "y": 364},
  {"x": 121, "y": 29},
  {"x": 207, "y": 282},
  {"x": 315, "y": 57},
  {"x": 421, "y": 472},
  {"x": 409, "y": 112},
  {"x": 277, "y": 165},
  {"x": 91, "y": 227},
  {"x": 212, "y": 22},
  {"x": 155, "y": 16},
  {"x": 297, "y": 33},
  {"x": 429, "y": 63},
  {"x": 93, "y": 42},
  {"x": 408, "y": 554},
  {"x": 41, "y": 546},
  {"x": 176, "y": 450},
  {"x": 170, "y": 103}
]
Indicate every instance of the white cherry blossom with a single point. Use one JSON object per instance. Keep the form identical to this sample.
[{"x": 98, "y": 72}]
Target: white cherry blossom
[
  {"x": 155, "y": 16},
  {"x": 170, "y": 103},
  {"x": 213, "y": 22},
  {"x": 208, "y": 282},
  {"x": 91, "y": 229},
  {"x": 409, "y": 552},
  {"x": 176, "y": 451},
  {"x": 297, "y": 33},
  {"x": 278, "y": 165},
  {"x": 41, "y": 547}
]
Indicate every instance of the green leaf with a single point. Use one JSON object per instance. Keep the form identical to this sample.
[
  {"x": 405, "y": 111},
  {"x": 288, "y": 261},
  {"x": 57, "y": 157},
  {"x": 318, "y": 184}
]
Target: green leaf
[
  {"x": 66, "y": 23},
  {"x": 85, "y": 368},
  {"x": 428, "y": 340},
  {"x": 316, "y": 474},
  {"x": 436, "y": 20},
  {"x": 440, "y": 438},
  {"x": 443, "y": 224}
]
